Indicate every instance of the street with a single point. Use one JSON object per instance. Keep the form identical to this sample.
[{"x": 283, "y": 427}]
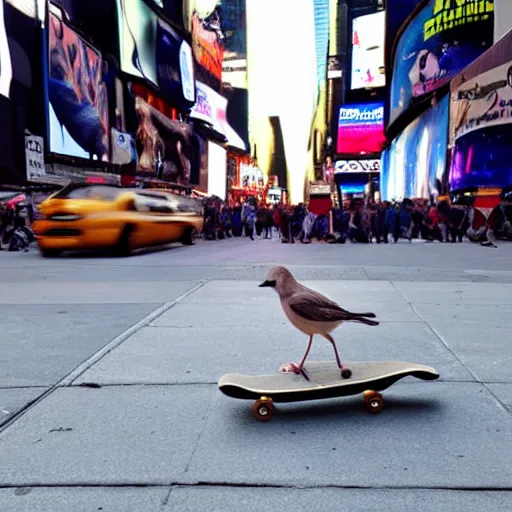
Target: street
[{"x": 109, "y": 370}]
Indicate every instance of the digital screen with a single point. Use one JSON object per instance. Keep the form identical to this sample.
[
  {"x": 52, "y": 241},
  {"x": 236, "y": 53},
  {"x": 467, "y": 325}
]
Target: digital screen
[
  {"x": 5, "y": 57},
  {"x": 150, "y": 49},
  {"x": 481, "y": 96},
  {"x": 219, "y": 40},
  {"x": 78, "y": 100},
  {"x": 167, "y": 149},
  {"x": 211, "y": 107},
  {"x": 482, "y": 159},
  {"x": 361, "y": 128},
  {"x": 439, "y": 42},
  {"x": 204, "y": 20},
  {"x": 481, "y": 120},
  {"x": 217, "y": 170},
  {"x": 368, "y": 51},
  {"x": 415, "y": 164}
]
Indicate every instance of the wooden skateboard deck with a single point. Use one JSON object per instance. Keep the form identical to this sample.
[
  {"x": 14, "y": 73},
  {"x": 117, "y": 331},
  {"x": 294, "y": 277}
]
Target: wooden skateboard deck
[{"x": 324, "y": 381}]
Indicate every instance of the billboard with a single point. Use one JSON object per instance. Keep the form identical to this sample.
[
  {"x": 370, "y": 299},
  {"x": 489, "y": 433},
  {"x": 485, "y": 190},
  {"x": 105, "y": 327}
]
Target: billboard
[
  {"x": 415, "y": 164},
  {"x": 167, "y": 149},
  {"x": 5, "y": 57},
  {"x": 78, "y": 101},
  {"x": 481, "y": 120},
  {"x": 361, "y": 128},
  {"x": 439, "y": 41},
  {"x": 211, "y": 108},
  {"x": 219, "y": 40},
  {"x": 481, "y": 96},
  {"x": 217, "y": 170},
  {"x": 151, "y": 50},
  {"x": 368, "y": 51}
]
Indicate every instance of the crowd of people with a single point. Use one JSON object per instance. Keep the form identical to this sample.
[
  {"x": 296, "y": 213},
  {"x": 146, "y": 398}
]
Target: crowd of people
[
  {"x": 15, "y": 226},
  {"x": 357, "y": 221}
]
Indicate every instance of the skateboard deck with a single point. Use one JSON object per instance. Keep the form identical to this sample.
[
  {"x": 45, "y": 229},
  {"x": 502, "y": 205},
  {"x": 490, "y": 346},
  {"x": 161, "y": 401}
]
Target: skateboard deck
[{"x": 324, "y": 381}]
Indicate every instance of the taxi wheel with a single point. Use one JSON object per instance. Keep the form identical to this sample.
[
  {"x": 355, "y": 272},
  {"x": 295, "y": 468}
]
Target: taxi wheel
[
  {"x": 50, "y": 253},
  {"x": 123, "y": 244},
  {"x": 188, "y": 237}
]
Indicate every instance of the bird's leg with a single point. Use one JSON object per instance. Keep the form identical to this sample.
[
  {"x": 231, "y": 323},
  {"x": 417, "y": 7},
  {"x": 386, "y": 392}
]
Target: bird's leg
[
  {"x": 329, "y": 338},
  {"x": 298, "y": 369},
  {"x": 346, "y": 373},
  {"x": 301, "y": 365}
]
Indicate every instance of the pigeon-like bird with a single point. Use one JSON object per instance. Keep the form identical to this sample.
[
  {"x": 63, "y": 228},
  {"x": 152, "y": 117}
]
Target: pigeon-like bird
[{"x": 311, "y": 313}]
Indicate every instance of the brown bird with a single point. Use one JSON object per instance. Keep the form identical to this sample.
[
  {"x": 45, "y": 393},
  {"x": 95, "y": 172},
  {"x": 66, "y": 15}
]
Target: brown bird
[{"x": 311, "y": 312}]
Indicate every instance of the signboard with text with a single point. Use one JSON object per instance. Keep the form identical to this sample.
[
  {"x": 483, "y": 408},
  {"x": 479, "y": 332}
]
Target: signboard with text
[
  {"x": 372, "y": 165},
  {"x": 361, "y": 128},
  {"x": 34, "y": 156}
]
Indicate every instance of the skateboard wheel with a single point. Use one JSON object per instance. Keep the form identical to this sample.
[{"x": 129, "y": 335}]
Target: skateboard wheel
[
  {"x": 346, "y": 373},
  {"x": 373, "y": 402},
  {"x": 263, "y": 409}
]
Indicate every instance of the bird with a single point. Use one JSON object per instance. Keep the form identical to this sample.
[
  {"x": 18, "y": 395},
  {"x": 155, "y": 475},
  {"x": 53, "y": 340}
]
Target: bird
[{"x": 311, "y": 313}]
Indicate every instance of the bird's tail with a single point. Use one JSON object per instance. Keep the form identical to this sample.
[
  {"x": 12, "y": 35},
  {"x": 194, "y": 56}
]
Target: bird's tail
[
  {"x": 365, "y": 315},
  {"x": 363, "y": 318}
]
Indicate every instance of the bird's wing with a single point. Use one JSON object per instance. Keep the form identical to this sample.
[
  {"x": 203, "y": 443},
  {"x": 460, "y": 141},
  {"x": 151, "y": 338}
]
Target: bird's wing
[{"x": 313, "y": 306}]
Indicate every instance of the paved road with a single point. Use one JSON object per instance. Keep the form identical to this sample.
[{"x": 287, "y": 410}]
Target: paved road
[{"x": 154, "y": 333}]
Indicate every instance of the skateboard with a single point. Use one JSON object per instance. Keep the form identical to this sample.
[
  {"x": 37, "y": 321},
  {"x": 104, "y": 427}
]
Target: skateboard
[{"x": 323, "y": 381}]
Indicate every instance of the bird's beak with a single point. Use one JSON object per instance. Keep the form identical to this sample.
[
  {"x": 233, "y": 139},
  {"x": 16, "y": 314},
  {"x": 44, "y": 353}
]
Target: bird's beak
[{"x": 268, "y": 284}]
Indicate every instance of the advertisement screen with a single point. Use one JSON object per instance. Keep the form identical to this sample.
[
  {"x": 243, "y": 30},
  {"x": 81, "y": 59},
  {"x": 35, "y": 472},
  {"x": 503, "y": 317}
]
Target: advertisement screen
[
  {"x": 78, "y": 101},
  {"x": 439, "y": 42},
  {"x": 5, "y": 57},
  {"x": 481, "y": 96},
  {"x": 414, "y": 166},
  {"x": 217, "y": 170},
  {"x": 361, "y": 128},
  {"x": 211, "y": 108},
  {"x": 151, "y": 50},
  {"x": 482, "y": 159},
  {"x": 219, "y": 41},
  {"x": 481, "y": 120},
  {"x": 368, "y": 51},
  {"x": 167, "y": 149}
]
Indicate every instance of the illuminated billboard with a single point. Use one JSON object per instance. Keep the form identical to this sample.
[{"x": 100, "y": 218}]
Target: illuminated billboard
[
  {"x": 441, "y": 40},
  {"x": 152, "y": 50},
  {"x": 368, "y": 51},
  {"x": 415, "y": 164},
  {"x": 361, "y": 128},
  {"x": 481, "y": 120},
  {"x": 78, "y": 100}
]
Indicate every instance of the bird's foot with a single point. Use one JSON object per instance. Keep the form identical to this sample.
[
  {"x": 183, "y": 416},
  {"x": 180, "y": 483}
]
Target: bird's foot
[{"x": 293, "y": 368}]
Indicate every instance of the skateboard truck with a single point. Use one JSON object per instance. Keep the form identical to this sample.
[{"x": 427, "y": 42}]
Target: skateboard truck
[{"x": 346, "y": 373}]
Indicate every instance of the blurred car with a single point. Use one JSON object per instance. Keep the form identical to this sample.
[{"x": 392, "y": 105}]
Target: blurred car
[{"x": 84, "y": 217}]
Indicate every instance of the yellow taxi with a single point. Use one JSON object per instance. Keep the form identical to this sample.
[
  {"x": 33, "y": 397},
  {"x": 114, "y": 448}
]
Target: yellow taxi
[{"x": 84, "y": 217}]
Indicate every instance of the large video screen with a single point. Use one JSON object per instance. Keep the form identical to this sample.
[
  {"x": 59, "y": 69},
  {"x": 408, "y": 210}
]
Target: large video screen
[
  {"x": 150, "y": 49},
  {"x": 219, "y": 40},
  {"x": 167, "y": 149},
  {"x": 481, "y": 120},
  {"x": 361, "y": 128},
  {"x": 217, "y": 170},
  {"x": 441, "y": 40},
  {"x": 368, "y": 51},
  {"x": 415, "y": 165},
  {"x": 78, "y": 100},
  {"x": 5, "y": 57}
]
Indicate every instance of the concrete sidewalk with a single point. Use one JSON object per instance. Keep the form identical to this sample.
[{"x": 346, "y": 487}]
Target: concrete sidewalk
[{"x": 158, "y": 420}]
